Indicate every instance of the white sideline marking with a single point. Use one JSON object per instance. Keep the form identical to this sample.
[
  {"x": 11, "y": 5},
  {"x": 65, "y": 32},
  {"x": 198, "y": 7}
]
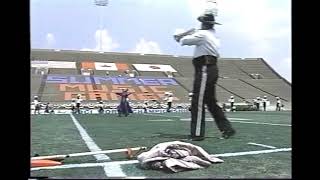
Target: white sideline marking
[
  {"x": 161, "y": 115},
  {"x": 262, "y": 145},
  {"x": 263, "y": 123},
  {"x": 211, "y": 119},
  {"x": 113, "y": 163},
  {"x": 161, "y": 120},
  {"x": 113, "y": 171}
]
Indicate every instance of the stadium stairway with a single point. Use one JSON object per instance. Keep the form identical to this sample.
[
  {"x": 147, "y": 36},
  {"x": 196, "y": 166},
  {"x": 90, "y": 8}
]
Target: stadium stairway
[{"x": 42, "y": 86}]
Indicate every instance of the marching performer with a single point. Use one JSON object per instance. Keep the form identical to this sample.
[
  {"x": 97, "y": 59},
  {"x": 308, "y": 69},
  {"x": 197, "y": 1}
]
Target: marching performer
[
  {"x": 78, "y": 103},
  {"x": 264, "y": 103},
  {"x": 124, "y": 107},
  {"x": 231, "y": 101},
  {"x": 205, "y": 79},
  {"x": 278, "y": 105},
  {"x": 37, "y": 105},
  {"x": 169, "y": 99},
  {"x": 100, "y": 107}
]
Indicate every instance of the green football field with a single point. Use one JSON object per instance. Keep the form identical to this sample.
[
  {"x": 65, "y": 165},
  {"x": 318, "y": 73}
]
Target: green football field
[{"x": 256, "y": 131}]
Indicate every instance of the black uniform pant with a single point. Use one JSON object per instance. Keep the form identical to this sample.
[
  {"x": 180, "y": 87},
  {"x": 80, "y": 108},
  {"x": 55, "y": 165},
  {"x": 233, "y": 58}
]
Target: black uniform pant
[
  {"x": 169, "y": 106},
  {"x": 278, "y": 108},
  {"x": 231, "y": 106},
  {"x": 264, "y": 106},
  {"x": 204, "y": 93}
]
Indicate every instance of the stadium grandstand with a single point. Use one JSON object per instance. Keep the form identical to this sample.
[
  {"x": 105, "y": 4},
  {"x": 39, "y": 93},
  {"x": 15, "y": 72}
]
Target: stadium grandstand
[{"x": 58, "y": 76}]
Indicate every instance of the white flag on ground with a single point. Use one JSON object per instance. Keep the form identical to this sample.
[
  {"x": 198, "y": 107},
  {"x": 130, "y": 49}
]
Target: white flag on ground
[{"x": 154, "y": 67}]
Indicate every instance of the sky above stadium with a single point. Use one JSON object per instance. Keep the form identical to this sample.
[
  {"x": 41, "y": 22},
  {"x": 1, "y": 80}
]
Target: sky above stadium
[{"x": 251, "y": 28}]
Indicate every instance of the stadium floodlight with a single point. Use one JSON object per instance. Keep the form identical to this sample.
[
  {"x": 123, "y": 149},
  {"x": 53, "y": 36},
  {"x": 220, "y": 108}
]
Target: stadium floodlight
[{"x": 101, "y": 3}]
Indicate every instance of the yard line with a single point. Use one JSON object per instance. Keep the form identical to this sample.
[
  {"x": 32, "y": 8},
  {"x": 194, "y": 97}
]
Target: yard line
[
  {"x": 161, "y": 120},
  {"x": 211, "y": 119},
  {"x": 161, "y": 115},
  {"x": 113, "y": 163},
  {"x": 262, "y": 123},
  {"x": 252, "y": 152},
  {"x": 67, "y": 166},
  {"x": 262, "y": 145},
  {"x": 239, "y": 118},
  {"x": 114, "y": 171}
]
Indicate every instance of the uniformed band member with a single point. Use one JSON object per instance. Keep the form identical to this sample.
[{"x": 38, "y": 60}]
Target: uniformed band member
[
  {"x": 190, "y": 99},
  {"x": 37, "y": 105},
  {"x": 73, "y": 105},
  {"x": 169, "y": 100},
  {"x": 231, "y": 100},
  {"x": 48, "y": 108},
  {"x": 257, "y": 103},
  {"x": 100, "y": 107},
  {"x": 205, "y": 79},
  {"x": 145, "y": 106},
  {"x": 124, "y": 107},
  {"x": 278, "y": 105},
  {"x": 78, "y": 103},
  {"x": 264, "y": 101}
]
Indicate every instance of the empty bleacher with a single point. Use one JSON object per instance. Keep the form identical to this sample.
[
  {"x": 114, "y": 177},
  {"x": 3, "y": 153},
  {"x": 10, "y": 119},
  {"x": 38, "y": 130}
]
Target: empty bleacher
[
  {"x": 277, "y": 87},
  {"x": 227, "y": 69},
  {"x": 241, "y": 89},
  {"x": 256, "y": 66}
]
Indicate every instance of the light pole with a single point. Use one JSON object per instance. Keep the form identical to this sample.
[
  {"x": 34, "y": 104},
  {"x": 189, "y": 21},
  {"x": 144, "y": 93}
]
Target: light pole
[
  {"x": 211, "y": 7},
  {"x": 101, "y": 3}
]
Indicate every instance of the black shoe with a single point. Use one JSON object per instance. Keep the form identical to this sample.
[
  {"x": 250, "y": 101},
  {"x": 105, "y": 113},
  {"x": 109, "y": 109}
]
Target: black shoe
[
  {"x": 228, "y": 134},
  {"x": 197, "y": 138}
]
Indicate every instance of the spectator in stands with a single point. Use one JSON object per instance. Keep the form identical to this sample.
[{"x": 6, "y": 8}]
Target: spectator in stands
[
  {"x": 206, "y": 75},
  {"x": 278, "y": 105},
  {"x": 264, "y": 101},
  {"x": 78, "y": 103},
  {"x": 231, "y": 101},
  {"x": 124, "y": 107},
  {"x": 37, "y": 105}
]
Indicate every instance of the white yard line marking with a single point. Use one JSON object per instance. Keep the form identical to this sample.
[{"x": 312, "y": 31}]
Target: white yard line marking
[
  {"x": 238, "y": 118},
  {"x": 67, "y": 166},
  {"x": 262, "y": 145},
  {"x": 113, "y": 163},
  {"x": 161, "y": 120},
  {"x": 262, "y": 123},
  {"x": 252, "y": 152},
  {"x": 113, "y": 171},
  {"x": 211, "y": 119},
  {"x": 161, "y": 115}
]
